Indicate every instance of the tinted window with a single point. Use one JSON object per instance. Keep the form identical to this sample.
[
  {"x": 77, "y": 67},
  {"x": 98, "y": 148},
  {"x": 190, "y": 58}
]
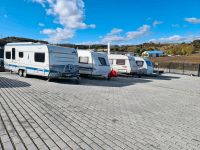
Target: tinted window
[
  {"x": 39, "y": 57},
  {"x": 13, "y": 53},
  {"x": 84, "y": 60},
  {"x": 149, "y": 63},
  {"x": 120, "y": 61},
  {"x": 8, "y": 55},
  {"x": 21, "y": 54},
  {"x": 140, "y": 63},
  {"x": 102, "y": 61}
]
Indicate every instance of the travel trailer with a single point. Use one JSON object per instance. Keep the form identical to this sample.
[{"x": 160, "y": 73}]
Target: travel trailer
[
  {"x": 123, "y": 64},
  {"x": 93, "y": 63},
  {"x": 145, "y": 65},
  {"x": 41, "y": 60}
]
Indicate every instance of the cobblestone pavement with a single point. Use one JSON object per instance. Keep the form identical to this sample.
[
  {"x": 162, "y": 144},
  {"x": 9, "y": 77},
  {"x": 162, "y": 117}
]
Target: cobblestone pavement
[{"x": 124, "y": 113}]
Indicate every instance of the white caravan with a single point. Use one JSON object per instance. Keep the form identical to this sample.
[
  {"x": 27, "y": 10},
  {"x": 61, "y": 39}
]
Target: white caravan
[
  {"x": 123, "y": 64},
  {"x": 93, "y": 63},
  {"x": 41, "y": 59},
  {"x": 145, "y": 65}
]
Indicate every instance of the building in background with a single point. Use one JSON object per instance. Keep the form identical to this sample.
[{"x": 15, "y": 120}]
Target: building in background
[{"x": 153, "y": 53}]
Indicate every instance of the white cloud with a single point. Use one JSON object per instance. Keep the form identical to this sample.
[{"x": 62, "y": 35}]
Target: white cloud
[
  {"x": 193, "y": 20},
  {"x": 115, "y": 31},
  {"x": 115, "y": 34},
  {"x": 69, "y": 14},
  {"x": 156, "y": 22},
  {"x": 141, "y": 31},
  {"x": 175, "y": 39},
  {"x": 41, "y": 24}
]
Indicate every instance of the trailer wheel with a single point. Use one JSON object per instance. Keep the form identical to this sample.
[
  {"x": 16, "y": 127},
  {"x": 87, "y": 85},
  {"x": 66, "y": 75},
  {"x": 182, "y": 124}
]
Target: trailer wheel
[
  {"x": 20, "y": 72},
  {"x": 25, "y": 74}
]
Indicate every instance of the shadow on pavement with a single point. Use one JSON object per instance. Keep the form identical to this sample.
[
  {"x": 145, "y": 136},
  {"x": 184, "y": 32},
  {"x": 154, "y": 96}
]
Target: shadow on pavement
[
  {"x": 115, "y": 82},
  {"x": 163, "y": 77},
  {"x": 11, "y": 83}
]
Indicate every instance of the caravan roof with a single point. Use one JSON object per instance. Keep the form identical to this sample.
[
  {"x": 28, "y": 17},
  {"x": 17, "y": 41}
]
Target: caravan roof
[
  {"x": 50, "y": 48},
  {"x": 117, "y": 56}
]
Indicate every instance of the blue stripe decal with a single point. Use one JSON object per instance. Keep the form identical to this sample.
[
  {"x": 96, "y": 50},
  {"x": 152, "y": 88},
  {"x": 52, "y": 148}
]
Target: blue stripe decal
[{"x": 28, "y": 68}]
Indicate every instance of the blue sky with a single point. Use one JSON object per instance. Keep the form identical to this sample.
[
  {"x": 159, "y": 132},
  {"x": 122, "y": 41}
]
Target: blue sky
[{"x": 101, "y": 21}]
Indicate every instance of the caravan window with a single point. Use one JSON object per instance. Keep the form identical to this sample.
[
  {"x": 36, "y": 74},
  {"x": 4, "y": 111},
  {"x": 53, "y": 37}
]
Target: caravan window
[
  {"x": 8, "y": 55},
  {"x": 140, "y": 63},
  {"x": 84, "y": 60},
  {"x": 40, "y": 57},
  {"x": 102, "y": 61},
  {"x": 21, "y": 54},
  {"x": 120, "y": 61},
  {"x": 13, "y": 53}
]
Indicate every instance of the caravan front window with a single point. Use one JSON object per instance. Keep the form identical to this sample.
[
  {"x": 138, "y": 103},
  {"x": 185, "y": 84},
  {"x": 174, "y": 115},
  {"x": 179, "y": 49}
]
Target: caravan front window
[
  {"x": 84, "y": 60},
  {"x": 40, "y": 57},
  {"x": 8, "y": 55},
  {"x": 102, "y": 61},
  {"x": 120, "y": 61},
  {"x": 13, "y": 53},
  {"x": 139, "y": 63}
]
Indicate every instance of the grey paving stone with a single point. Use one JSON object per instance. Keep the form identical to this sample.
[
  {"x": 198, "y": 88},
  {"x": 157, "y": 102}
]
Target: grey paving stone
[{"x": 124, "y": 113}]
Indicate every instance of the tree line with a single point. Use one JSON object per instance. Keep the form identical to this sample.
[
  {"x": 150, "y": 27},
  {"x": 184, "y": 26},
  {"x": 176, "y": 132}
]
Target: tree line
[{"x": 170, "y": 49}]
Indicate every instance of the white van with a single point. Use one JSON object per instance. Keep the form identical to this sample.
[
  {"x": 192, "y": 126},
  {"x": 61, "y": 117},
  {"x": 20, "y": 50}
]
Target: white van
[
  {"x": 93, "y": 63},
  {"x": 123, "y": 64},
  {"x": 145, "y": 65},
  {"x": 41, "y": 60}
]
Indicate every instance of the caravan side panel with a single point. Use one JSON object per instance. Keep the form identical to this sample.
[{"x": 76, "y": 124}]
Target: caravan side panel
[{"x": 24, "y": 57}]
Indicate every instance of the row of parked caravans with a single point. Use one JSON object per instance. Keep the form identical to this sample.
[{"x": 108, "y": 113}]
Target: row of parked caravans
[{"x": 55, "y": 62}]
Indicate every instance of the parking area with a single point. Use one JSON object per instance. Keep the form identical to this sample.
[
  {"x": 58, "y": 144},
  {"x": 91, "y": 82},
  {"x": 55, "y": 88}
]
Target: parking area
[{"x": 124, "y": 113}]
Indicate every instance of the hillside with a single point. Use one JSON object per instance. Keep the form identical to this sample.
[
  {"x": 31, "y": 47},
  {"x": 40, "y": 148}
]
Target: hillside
[
  {"x": 185, "y": 49},
  {"x": 6, "y": 40}
]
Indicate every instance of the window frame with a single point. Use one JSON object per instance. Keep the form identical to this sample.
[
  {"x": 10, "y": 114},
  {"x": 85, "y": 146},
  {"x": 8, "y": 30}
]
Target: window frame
[
  {"x": 104, "y": 63},
  {"x": 39, "y": 61},
  {"x": 139, "y": 61},
  {"x": 82, "y": 62},
  {"x": 121, "y": 64},
  {"x": 8, "y": 52},
  {"x": 21, "y": 56}
]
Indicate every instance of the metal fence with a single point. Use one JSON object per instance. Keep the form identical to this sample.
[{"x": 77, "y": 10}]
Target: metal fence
[{"x": 179, "y": 68}]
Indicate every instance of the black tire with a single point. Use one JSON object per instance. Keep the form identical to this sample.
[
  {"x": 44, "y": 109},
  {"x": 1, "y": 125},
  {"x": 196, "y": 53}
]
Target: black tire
[
  {"x": 20, "y": 72},
  {"x": 25, "y": 74}
]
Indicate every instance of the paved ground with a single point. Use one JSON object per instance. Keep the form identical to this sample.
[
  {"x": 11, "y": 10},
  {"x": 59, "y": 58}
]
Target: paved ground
[{"x": 125, "y": 113}]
